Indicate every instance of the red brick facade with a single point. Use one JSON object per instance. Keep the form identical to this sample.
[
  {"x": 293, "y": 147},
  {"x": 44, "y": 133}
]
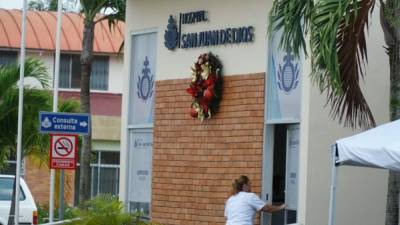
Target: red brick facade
[{"x": 195, "y": 162}]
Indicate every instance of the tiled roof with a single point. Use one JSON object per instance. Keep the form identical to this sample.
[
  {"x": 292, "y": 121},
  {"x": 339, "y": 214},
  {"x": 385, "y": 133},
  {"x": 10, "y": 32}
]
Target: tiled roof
[{"x": 41, "y": 32}]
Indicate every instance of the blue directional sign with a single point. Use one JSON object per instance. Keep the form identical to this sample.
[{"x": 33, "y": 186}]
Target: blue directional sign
[{"x": 64, "y": 123}]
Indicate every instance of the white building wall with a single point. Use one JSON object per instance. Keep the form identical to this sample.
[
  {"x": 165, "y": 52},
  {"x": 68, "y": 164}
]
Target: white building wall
[
  {"x": 361, "y": 192},
  {"x": 116, "y": 73},
  {"x": 236, "y": 58}
]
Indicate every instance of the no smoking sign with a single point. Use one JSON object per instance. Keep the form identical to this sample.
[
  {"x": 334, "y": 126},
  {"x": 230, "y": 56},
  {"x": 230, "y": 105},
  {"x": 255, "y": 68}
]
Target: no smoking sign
[{"x": 63, "y": 151}]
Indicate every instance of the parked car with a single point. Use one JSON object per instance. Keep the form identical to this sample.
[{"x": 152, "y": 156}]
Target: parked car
[{"x": 27, "y": 207}]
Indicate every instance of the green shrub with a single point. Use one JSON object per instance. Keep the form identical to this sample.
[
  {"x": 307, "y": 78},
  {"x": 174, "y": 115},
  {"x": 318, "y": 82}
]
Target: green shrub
[
  {"x": 43, "y": 213},
  {"x": 106, "y": 210}
]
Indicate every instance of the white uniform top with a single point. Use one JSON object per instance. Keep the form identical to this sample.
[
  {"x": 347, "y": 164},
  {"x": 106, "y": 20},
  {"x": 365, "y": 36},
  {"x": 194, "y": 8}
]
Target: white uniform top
[{"x": 241, "y": 208}]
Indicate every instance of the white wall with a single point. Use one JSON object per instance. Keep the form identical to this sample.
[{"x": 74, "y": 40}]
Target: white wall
[
  {"x": 237, "y": 59},
  {"x": 116, "y": 73},
  {"x": 361, "y": 192}
]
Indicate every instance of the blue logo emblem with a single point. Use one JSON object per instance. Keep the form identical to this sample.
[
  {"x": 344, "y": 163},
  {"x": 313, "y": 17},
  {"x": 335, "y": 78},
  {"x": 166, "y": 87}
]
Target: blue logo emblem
[
  {"x": 288, "y": 75},
  {"x": 145, "y": 83},
  {"x": 171, "y": 34}
]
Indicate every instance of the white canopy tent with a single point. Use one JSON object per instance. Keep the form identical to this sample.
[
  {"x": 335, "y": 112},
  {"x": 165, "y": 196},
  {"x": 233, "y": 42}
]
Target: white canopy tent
[{"x": 378, "y": 147}]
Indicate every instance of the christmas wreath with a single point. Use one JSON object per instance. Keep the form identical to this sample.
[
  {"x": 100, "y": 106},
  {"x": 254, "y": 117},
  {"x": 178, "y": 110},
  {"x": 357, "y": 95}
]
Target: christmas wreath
[{"x": 205, "y": 86}]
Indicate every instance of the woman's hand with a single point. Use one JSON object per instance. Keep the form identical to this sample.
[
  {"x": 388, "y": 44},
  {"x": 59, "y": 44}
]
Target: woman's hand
[{"x": 273, "y": 208}]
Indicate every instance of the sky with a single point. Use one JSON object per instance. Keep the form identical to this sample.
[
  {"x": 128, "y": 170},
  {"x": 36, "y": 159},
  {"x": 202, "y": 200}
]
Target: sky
[
  {"x": 11, "y": 4},
  {"x": 17, "y": 4}
]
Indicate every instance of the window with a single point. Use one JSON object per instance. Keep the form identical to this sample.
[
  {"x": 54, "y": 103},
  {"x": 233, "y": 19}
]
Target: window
[
  {"x": 105, "y": 174},
  {"x": 8, "y": 57},
  {"x": 70, "y": 71},
  {"x": 140, "y": 123},
  {"x": 99, "y": 77},
  {"x": 6, "y": 189}
]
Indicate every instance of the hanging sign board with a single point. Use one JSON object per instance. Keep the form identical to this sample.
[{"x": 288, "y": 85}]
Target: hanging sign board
[
  {"x": 63, "y": 151},
  {"x": 66, "y": 123}
]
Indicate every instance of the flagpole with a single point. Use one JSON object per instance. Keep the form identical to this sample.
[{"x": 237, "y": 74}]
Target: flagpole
[
  {"x": 20, "y": 113},
  {"x": 55, "y": 102}
]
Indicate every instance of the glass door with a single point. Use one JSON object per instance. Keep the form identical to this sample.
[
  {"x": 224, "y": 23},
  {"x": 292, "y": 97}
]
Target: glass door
[
  {"x": 283, "y": 179},
  {"x": 292, "y": 173}
]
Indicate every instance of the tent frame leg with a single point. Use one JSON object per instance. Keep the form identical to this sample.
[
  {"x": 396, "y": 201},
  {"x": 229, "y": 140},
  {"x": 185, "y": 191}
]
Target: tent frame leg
[{"x": 332, "y": 202}]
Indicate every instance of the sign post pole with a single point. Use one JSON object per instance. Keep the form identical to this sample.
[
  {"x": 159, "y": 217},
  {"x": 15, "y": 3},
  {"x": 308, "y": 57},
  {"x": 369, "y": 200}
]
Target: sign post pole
[
  {"x": 20, "y": 113},
  {"x": 55, "y": 101}
]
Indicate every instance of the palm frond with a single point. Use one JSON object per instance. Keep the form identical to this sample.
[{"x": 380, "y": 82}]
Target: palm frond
[
  {"x": 9, "y": 75},
  {"x": 339, "y": 53},
  {"x": 69, "y": 105},
  {"x": 91, "y": 8},
  {"x": 294, "y": 18},
  {"x": 34, "y": 101}
]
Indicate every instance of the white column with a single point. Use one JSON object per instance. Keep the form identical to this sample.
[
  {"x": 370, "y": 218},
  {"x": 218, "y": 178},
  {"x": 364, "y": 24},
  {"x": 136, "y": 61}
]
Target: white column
[{"x": 332, "y": 202}]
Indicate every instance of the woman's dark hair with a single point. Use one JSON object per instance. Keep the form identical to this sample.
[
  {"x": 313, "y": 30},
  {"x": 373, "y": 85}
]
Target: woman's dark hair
[{"x": 239, "y": 183}]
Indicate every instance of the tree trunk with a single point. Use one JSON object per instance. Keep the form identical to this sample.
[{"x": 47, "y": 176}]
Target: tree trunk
[
  {"x": 392, "y": 205},
  {"x": 86, "y": 69},
  {"x": 11, "y": 215},
  {"x": 392, "y": 39}
]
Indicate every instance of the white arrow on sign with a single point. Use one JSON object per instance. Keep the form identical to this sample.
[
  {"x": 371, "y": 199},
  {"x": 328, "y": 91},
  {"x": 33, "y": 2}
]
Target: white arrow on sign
[{"x": 83, "y": 124}]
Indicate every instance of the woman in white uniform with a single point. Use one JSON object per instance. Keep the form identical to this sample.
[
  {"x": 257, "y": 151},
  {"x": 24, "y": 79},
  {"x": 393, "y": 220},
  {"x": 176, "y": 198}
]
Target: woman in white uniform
[{"x": 241, "y": 207}]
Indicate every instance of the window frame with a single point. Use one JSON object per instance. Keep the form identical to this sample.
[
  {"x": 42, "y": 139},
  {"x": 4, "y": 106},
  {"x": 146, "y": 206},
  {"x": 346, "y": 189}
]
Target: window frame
[{"x": 69, "y": 73}]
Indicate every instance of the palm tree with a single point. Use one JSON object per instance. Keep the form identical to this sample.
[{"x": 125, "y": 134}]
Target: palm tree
[
  {"x": 336, "y": 31},
  {"x": 91, "y": 10},
  {"x": 35, "y": 100},
  {"x": 390, "y": 11}
]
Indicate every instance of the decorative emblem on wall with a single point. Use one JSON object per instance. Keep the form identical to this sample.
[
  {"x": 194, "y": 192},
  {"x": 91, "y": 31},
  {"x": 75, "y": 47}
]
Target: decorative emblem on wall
[
  {"x": 171, "y": 34},
  {"x": 145, "y": 83},
  {"x": 288, "y": 75}
]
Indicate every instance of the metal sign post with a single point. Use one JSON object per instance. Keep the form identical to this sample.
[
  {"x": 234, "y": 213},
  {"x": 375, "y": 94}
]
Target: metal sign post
[
  {"x": 64, "y": 128},
  {"x": 20, "y": 113},
  {"x": 55, "y": 100}
]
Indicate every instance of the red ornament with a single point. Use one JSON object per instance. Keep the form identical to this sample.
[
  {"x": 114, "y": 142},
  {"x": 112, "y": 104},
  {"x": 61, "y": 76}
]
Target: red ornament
[
  {"x": 208, "y": 94},
  {"x": 191, "y": 91},
  {"x": 193, "y": 112},
  {"x": 210, "y": 81}
]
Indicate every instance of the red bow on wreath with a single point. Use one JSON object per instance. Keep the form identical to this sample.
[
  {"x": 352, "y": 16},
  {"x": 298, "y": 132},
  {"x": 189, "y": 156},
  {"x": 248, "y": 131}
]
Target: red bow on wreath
[{"x": 206, "y": 86}]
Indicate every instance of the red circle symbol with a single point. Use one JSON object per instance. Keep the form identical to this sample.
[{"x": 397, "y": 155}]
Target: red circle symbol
[{"x": 63, "y": 146}]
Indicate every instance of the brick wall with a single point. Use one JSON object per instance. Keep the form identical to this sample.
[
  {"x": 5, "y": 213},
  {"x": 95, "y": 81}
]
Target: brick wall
[
  {"x": 194, "y": 162},
  {"x": 37, "y": 177}
]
